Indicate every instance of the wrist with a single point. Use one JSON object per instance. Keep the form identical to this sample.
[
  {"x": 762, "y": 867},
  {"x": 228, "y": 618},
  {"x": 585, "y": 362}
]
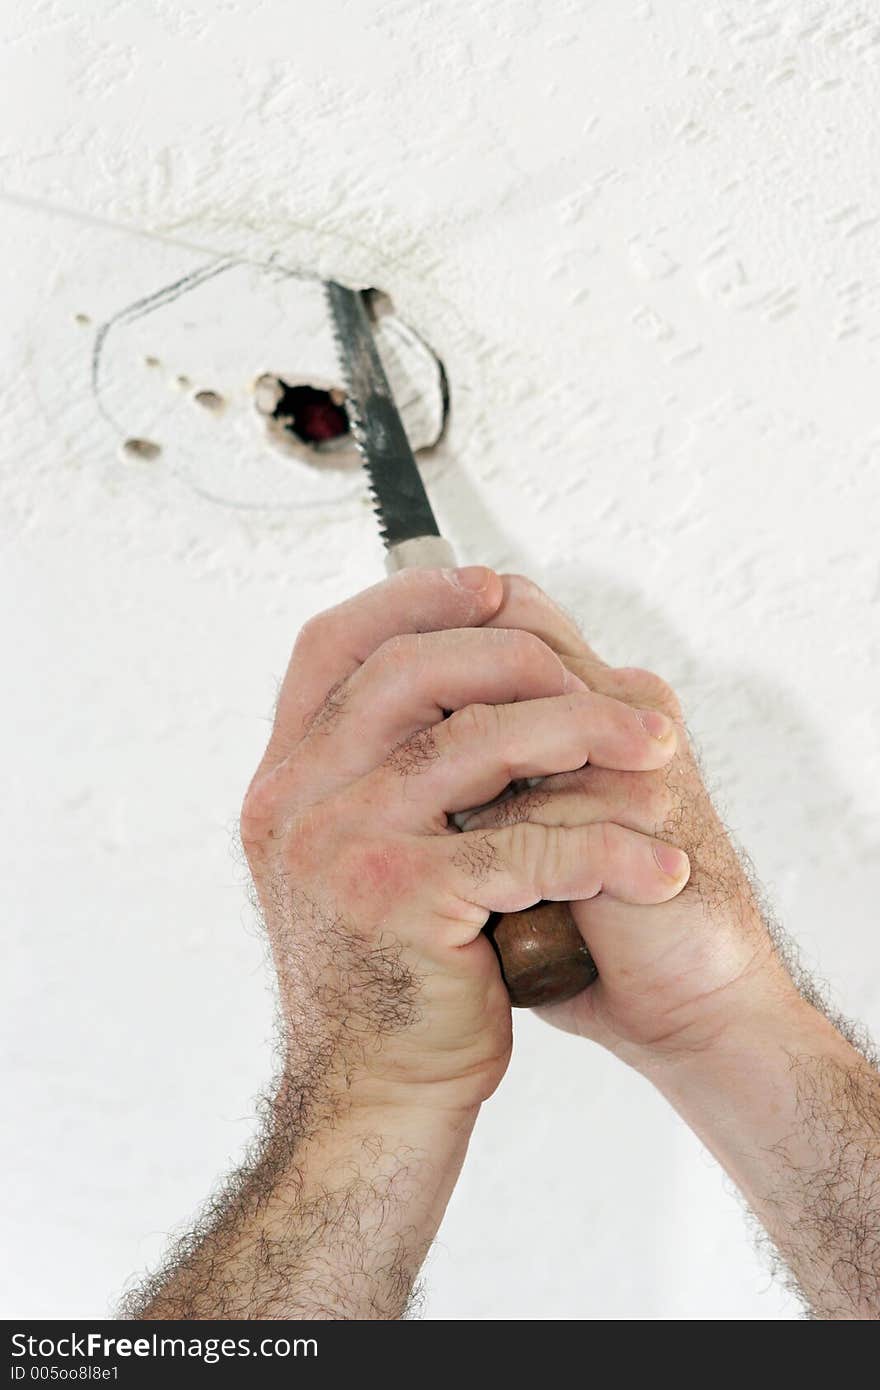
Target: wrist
[
  {"x": 313, "y": 1098},
  {"x": 372, "y": 1124},
  {"x": 747, "y": 1068},
  {"x": 720, "y": 1023},
  {"x": 392, "y": 1163}
]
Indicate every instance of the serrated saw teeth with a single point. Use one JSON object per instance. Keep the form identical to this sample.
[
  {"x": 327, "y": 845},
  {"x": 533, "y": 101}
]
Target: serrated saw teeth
[{"x": 401, "y": 503}]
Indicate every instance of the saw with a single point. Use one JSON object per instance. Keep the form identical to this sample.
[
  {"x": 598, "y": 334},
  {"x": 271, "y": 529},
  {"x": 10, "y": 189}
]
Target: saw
[{"x": 542, "y": 954}]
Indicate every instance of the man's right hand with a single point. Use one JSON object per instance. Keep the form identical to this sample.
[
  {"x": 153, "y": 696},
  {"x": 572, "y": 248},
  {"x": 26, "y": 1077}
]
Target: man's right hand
[
  {"x": 673, "y": 979},
  {"x": 698, "y": 996},
  {"x": 374, "y": 903}
]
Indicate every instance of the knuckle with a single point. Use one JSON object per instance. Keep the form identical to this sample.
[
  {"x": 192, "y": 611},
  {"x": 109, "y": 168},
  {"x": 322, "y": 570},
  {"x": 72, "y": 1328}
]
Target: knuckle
[
  {"x": 414, "y": 754},
  {"x": 530, "y": 597},
  {"x": 395, "y": 662},
  {"x": 401, "y": 661},
  {"x": 397, "y": 651},
  {"x": 480, "y": 854},
  {"x": 260, "y": 814},
  {"x": 661, "y": 803},
  {"x": 608, "y": 836},
  {"x": 316, "y": 632},
  {"x": 480, "y": 723},
  {"x": 648, "y": 797},
  {"x": 527, "y": 659},
  {"x": 551, "y": 845},
  {"x": 528, "y": 648},
  {"x": 530, "y": 849},
  {"x": 272, "y": 819},
  {"x": 328, "y": 713},
  {"x": 520, "y": 586},
  {"x": 518, "y": 841},
  {"x": 666, "y": 698}
]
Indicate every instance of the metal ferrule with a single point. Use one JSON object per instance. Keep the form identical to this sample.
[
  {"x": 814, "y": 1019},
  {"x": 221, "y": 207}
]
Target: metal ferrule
[{"x": 422, "y": 552}]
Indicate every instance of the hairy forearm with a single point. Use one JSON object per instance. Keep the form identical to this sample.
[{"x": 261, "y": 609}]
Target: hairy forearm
[
  {"x": 792, "y": 1112},
  {"x": 335, "y": 1226}
]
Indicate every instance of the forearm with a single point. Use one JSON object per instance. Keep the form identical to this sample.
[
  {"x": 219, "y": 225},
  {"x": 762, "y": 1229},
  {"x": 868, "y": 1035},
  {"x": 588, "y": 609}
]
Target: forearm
[
  {"x": 792, "y": 1112},
  {"x": 333, "y": 1227}
]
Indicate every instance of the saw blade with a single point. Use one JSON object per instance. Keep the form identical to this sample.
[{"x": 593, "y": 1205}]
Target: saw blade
[{"x": 401, "y": 502}]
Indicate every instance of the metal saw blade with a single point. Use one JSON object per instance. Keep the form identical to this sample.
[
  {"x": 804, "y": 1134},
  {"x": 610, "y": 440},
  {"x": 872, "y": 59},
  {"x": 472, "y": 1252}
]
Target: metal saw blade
[{"x": 401, "y": 502}]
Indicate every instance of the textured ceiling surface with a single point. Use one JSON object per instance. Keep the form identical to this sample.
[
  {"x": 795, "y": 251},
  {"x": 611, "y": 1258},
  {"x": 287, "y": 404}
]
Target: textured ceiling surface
[{"x": 645, "y": 241}]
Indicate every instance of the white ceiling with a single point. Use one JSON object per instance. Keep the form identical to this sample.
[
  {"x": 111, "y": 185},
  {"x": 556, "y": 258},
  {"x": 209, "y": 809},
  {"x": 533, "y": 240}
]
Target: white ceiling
[{"x": 645, "y": 241}]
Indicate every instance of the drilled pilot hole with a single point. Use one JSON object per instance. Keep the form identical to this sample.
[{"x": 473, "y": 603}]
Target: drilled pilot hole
[
  {"x": 141, "y": 449},
  {"x": 311, "y": 415},
  {"x": 209, "y": 400}
]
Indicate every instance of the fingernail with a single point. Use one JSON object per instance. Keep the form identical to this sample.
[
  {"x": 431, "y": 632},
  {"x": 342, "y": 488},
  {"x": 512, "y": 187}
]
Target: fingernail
[
  {"x": 474, "y": 578},
  {"x": 672, "y": 861},
  {"x": 657, "y": 725},
  {"x": 573, "y": 682}
]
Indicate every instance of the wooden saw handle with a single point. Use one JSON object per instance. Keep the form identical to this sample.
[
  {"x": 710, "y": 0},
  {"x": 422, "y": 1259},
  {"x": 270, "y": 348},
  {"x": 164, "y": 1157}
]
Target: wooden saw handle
[{"x": 544, "y": 959}]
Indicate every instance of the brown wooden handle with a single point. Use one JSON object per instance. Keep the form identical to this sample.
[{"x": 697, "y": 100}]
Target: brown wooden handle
[{"x": 544, "y": 959}]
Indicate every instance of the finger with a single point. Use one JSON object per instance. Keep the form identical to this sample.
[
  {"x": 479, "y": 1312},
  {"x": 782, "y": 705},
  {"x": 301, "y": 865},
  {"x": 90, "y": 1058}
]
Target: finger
[
  {"x": 524, "y": 605},
  {"x": 637, "y": 800},
  {"x": 334, "y": 644},
  {"x": 408, "y": 684},
  {"x": 630, "y": 947},
  {"x": 472, "y": 756},
  {"x": 514, "y": 868}
]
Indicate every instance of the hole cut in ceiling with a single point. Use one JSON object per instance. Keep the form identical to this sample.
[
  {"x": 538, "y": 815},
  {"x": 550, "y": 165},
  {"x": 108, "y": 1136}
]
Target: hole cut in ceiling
[
  {"x": 302, "y": 414},
  {"x": 232, "y": 370}
]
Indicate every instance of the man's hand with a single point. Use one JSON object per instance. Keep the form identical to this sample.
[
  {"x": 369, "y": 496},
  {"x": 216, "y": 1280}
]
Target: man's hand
[
  {"x": 373, "y": 901},
  {"x": 672, "y": 978},
  {"x": 695, "y": 993},
  {"x": 396, "y": 1020}
]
